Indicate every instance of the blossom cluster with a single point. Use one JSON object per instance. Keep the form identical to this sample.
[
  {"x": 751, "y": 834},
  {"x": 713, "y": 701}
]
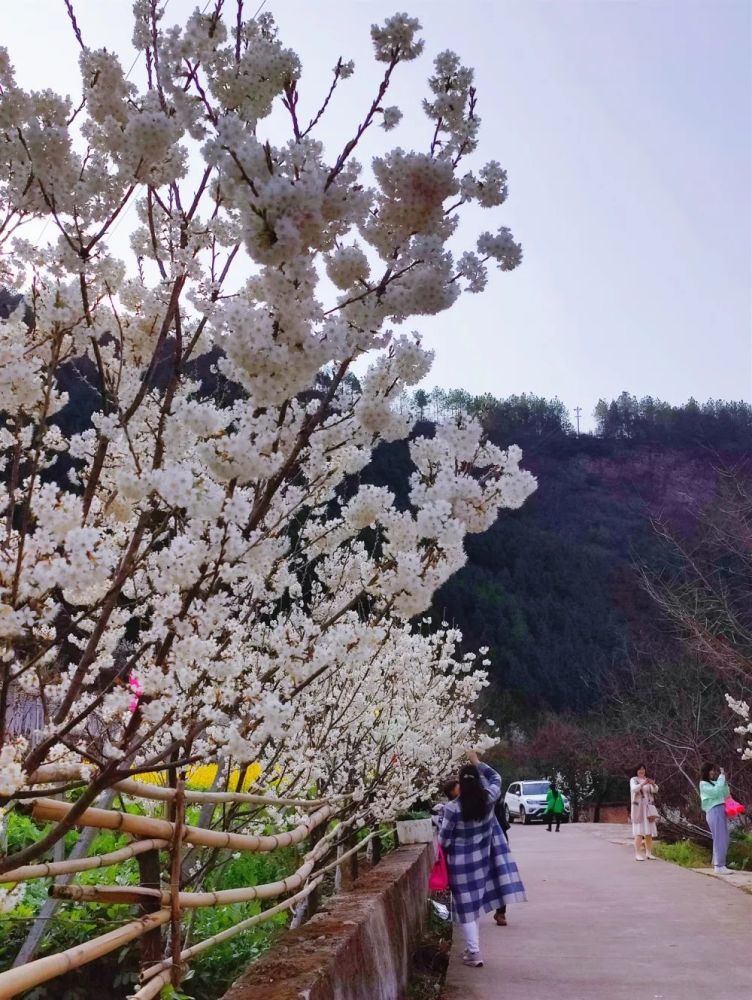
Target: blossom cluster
[
  {"x": 744, "y": 729},
  {"x": 12, "y": 775},
  {"x": 10, "y": 898},
  {"x": 191, "y": 567}
]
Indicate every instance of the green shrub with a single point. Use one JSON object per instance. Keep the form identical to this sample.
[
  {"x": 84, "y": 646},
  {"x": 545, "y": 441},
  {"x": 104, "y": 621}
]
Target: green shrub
[
  {"x": 686, "y": 853},
  {"x": 740, "y": 851},
  {"x": 213, "y": 971},
  {"x": 21, "y": 832},
  {"x": 690, "y": 854}
]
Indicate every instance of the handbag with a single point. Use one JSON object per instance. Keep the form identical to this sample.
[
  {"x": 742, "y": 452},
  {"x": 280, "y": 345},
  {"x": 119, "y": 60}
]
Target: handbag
[
  {"x": 734, "y": 808},
  {"x": 652, "y": 810},
  {"x": 501, "y": 815},
  {"x": 438, "y": 880}
]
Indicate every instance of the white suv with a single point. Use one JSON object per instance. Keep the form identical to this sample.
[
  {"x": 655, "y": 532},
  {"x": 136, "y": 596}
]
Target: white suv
[{"x": 526, "y": 801}]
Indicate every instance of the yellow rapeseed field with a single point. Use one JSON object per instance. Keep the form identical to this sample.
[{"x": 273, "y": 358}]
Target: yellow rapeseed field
[{"x": 201, "y": 777}]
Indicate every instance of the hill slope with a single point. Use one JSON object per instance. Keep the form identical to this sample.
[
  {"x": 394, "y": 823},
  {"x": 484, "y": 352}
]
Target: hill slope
[{"x": 552, "y": 589}]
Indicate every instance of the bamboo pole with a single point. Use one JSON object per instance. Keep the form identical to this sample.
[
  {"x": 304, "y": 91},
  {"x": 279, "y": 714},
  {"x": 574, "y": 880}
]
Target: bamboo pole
[
  {"x": 153, "y": 988},
  {"x": 177, "y": 841},
  {"x": 140, "y": 790},
  {"x": 230, "y": 932},
  {"x": 55, "y": 773},
  {"x": 54, "y": 868},
  {"x": 338, "y": 871},
  {"x": 16, "y": 981},
  {"x": 124, "y": 895},
  {"x": 187, "y": 900},
  {"x": 142, "y": 826}
]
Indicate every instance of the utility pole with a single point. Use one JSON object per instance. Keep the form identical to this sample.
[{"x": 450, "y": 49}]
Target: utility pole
[{"x": 577, "y": 412}]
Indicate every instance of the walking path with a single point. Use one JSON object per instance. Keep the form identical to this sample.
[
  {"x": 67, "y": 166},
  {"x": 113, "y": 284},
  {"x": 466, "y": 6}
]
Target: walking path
[{"x": 600, "y": 926}]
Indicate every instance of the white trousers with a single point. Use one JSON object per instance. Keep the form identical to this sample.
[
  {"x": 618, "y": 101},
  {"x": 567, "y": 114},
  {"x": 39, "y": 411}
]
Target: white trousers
[{"x": 471, "y": 932}]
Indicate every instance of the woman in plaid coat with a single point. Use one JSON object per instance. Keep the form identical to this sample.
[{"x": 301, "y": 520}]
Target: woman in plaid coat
[{"x": 482, "y": 874}]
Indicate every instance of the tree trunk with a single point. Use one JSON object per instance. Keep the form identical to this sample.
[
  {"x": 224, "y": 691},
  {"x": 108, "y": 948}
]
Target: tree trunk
[
  {"x": 151, "y": 942},
  {"x": 314, "y": 900}
]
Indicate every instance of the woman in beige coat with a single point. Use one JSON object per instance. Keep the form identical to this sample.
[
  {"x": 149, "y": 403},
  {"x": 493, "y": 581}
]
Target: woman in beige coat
[{"x": 644, "y": 813}]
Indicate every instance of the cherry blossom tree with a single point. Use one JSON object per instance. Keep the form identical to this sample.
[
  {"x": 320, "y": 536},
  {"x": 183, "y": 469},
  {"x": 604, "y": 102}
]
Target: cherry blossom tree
[{"x": 183, "y": 574}]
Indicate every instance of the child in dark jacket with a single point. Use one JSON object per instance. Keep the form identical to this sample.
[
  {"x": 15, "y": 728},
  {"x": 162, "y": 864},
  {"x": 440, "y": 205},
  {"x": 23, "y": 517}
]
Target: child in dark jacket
[{"x": 450, "y": 789}]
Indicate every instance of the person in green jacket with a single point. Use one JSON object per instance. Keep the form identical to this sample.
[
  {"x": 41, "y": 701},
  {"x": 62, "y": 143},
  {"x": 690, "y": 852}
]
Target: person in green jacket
[
  {"x": 714, "y": 791},
  {"x": 554, "y": 806}
]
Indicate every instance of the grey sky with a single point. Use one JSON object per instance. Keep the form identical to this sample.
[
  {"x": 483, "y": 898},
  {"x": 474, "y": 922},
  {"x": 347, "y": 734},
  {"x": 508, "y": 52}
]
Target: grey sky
[{"x": 626, "y": 129}]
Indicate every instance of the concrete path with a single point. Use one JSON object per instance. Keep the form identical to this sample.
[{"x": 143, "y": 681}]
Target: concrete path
[{"x": 600, "y": 926}]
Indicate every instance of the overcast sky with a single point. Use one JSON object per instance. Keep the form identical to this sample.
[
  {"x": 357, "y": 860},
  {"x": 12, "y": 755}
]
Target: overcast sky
[{"x": 626, "y": 129}]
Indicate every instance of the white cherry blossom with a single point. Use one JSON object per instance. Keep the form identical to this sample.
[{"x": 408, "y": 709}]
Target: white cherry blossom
[{"x": 192, "y": 565}]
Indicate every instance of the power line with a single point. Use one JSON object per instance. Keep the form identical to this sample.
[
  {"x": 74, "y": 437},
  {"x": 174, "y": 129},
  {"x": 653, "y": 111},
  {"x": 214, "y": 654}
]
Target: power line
[
  {"x": 138, "y": 54},
  {"x": 206, "y": 7}
]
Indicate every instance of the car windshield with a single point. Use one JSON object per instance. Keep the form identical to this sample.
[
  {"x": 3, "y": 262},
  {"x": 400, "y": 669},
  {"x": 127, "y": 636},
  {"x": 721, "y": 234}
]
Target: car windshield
[{"x": 535, "y": 788}]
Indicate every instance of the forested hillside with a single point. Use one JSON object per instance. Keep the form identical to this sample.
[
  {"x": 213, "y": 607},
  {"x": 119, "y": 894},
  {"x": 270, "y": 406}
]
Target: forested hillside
[{"x": 552, "y": 588}]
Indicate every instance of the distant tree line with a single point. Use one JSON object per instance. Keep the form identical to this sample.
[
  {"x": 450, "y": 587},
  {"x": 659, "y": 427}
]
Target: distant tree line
[{"x": 716, "y": 423}]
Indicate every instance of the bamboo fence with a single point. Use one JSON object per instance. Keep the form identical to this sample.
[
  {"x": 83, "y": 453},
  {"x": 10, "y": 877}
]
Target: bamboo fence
[
  {"x": 165, "y": 905},
  {"x": 162, "y": 970},
  {"x": 141, "y": 791}
]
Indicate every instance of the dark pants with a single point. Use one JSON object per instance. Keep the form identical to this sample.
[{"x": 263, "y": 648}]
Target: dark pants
[
  {"x": 554, "y": 817},
  {"x": 501, "y": 911}
]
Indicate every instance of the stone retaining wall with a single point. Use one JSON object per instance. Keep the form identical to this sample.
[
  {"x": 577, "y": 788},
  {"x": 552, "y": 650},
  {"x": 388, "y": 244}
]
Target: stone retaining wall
[{"x": 358, "y": 947}]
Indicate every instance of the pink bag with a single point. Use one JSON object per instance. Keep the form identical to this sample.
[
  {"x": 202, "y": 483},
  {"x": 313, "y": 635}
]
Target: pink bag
[
  {"x": 734, "y": 808},
  {"x": 438, "y": 880}
]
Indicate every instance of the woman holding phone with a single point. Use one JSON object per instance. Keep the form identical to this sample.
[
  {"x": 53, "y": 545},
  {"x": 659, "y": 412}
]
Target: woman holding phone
[
  {"x": 714, "y": 791},
  {"x": 644, "y": 813}
]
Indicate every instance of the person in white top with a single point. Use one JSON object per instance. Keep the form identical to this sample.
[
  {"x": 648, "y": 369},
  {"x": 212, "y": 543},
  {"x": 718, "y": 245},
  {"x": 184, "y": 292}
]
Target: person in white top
[{"x": 644, "y": 813}]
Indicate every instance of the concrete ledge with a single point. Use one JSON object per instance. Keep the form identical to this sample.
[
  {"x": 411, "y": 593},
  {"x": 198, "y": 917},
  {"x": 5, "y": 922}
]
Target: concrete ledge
[
  {"x": 358, "y": 947},
  {"x": 739, "y": 879}
]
